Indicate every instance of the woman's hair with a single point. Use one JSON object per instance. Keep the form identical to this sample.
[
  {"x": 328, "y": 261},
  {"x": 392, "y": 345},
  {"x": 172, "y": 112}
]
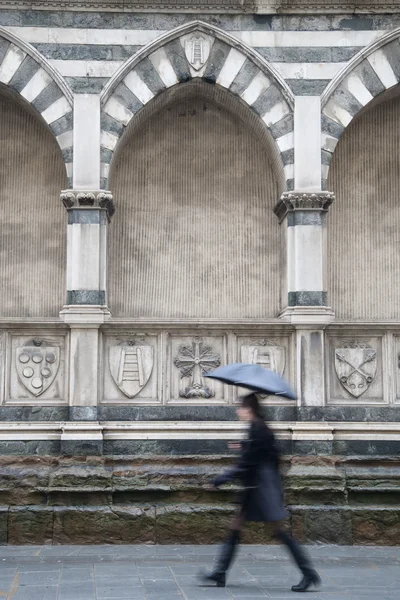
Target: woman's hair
[{"x": 251, "y": 401}]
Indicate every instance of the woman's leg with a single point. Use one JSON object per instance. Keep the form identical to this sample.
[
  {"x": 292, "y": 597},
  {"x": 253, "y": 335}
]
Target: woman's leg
[
  {"x": 227, "y": 553},
  {"x": 303, "y": 561}
]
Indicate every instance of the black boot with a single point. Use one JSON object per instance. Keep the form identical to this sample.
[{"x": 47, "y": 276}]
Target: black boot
[
  {"x": 228, "y": 551},
  {"x": 303, "y": 561}
]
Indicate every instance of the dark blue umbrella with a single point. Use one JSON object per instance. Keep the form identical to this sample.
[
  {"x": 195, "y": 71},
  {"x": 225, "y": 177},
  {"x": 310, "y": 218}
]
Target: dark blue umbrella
[{"x": 255, "y": 378}]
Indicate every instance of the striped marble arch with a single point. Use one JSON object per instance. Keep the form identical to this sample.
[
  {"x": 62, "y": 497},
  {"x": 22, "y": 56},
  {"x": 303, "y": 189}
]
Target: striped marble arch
[
  {"x": 221, "y": 59},
  {"x": 25, "y": 71},
  {"x": 371, "y": 72}
]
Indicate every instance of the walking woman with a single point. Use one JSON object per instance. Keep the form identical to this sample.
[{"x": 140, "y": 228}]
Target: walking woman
[{"x": 262, "y": 498}]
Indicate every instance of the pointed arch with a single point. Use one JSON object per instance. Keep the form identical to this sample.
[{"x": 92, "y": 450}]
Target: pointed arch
[
  {"x": 219, "y": 59},
  {"x": 26, "y": 72},
  {"x": 375, "y": 69}
]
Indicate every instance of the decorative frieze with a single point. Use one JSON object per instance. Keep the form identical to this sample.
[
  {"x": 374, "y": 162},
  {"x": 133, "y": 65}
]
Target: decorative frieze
[{"x": 223, "y": 6}]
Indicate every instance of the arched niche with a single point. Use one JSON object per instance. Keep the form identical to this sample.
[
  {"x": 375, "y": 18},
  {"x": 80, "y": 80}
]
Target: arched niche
[
  {"x": 32, "y": 219},
  {"x": 364, "y": 225},
  {"x": 195, "y": 179}
]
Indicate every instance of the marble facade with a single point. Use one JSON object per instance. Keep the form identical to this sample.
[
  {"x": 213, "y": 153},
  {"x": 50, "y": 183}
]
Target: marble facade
[{"x": 215, "y": 207}]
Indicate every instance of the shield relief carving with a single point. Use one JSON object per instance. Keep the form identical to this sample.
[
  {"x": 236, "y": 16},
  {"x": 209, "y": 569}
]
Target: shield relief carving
[
  {"x": 37, "y": 366},
  {"x": 356, "y": 369},
  {"x": 131, "y": 366}
]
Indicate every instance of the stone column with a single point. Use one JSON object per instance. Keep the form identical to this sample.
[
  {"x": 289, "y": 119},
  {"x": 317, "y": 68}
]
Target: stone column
[
  {"x": 303, "y": 217},
  {"x": 86, "y": 308},
  {"x": 89, "y": 212}
]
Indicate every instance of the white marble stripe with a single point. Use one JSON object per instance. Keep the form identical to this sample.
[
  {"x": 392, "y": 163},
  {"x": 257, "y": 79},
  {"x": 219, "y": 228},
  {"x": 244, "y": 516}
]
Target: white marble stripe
[
  {"x": 276, "y": 113},
  {"x": 328, "y": 142},
  {"x": 257, "y": 86},
  {"x": 286, "y": 142},
  {"x": 382, "y": 68},
  {"x": 66, "y": 139},
  {"x": 289, "y": 171},
  {"x": 11, "y": 62},
  {"x": 138, "y": 87},
  {"x": 337, "y": 113},
  {"x": 108, "y": 140},
  {"x": 324, "y": 171},
  {"x": 69, "y": 168},
  {"x": 86, "y": 68},
  {"x": 304, "y": 39},
  {"x": 55, "y": 111},
  {"x": 356, "y": 87},
  {"x": 104, "y": 170},
  {"x": 140, "y": 37},
  {"x": 232, "y": 65},
  {"x": 40, "y": 80},
  {"x": 162, "y": 65},
  {"x": 119, "y": 112},
  {"x": 309, "y": 70}
]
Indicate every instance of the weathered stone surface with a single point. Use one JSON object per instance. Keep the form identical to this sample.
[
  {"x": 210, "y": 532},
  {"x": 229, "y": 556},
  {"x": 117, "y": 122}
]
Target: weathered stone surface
[
  {"x": 191, "y": 524},
  {"x": 376, "y": 526},
  {"x": 76, "y": 477},
  {"x": 30, "y": 525},
  {"x": 330, "y": 525},
  {"x": 104, "y": 525}
]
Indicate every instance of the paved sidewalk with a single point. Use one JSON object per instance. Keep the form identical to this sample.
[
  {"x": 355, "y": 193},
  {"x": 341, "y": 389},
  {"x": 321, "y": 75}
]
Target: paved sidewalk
[{"x": 168, "y": 573}]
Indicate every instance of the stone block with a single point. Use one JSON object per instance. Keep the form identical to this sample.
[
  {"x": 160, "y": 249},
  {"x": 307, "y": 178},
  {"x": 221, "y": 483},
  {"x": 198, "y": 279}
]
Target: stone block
[
  {"x": 3, "y": 526},
  {"x": 308, "y": 485},
  {"x": 376, "y": 526},
  {"x": 325, "y": 524},
  {"x": 30, "y": 525},
  {"x": 81, "y": 477},
  {"x": 104, "y": 525},
  {"x": 82, "y": 447},
  {"x": 192, "y": 524}
]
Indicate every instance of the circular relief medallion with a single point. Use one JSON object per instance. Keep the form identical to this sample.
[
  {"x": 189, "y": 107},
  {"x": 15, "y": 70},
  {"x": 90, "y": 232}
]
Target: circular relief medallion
[
  {"x": 45, "y": 372},
  {"x": 37, "y": 358},
  {"x": 28, "y": 372},
  {"x": 24, "y": 358},
  {"x": 37, "y": 383},
  {"x": 50, "y": 357}
]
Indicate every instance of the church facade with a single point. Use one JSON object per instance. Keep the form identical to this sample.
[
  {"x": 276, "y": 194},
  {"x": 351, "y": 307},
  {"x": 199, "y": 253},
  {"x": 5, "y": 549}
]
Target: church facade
[{"x": 184, "y": 185}]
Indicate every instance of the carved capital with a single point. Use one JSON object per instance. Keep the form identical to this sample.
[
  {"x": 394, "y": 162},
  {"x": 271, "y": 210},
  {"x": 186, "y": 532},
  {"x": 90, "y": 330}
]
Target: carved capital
[
  {"x": 89, "y": 199},
  {"x": 303, "y": 201}
]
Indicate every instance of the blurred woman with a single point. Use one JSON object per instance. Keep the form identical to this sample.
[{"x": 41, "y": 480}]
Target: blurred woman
[{"x": 262, "y": 497}]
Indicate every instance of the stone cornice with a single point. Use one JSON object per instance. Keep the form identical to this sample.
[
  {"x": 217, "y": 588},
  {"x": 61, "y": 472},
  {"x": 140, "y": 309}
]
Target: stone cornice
[
  {"x": 217, "y": 6},
  {"x": 89, "y": 199},
  {"x": 304, "y": 201}
]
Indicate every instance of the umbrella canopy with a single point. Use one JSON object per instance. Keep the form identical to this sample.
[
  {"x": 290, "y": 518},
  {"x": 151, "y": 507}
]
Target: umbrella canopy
[{"x": 255, "y": 378}]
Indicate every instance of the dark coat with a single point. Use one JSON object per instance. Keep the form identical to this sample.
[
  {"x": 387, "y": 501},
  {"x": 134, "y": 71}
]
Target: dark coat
[{"x": 258, "y": 469}]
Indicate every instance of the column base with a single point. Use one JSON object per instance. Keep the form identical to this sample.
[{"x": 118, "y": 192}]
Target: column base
[
  {"x": 85, "y": 315},
  {"x": 312, "y": 316}
]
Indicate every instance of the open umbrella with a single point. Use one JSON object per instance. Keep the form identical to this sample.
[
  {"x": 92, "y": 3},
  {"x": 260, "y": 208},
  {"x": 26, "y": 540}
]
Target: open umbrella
[{"x": 253, "y": 377}]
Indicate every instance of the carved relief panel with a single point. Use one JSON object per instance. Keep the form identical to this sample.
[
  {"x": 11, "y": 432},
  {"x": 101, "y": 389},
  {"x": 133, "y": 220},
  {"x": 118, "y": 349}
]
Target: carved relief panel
[
  {"x": 272, "y": 352},
  {"x": 130, "y": 368},
  {"x": 36, "y": 369},
  {"x": 354, "y": 370},
  {"x": 190, "y": 358}
]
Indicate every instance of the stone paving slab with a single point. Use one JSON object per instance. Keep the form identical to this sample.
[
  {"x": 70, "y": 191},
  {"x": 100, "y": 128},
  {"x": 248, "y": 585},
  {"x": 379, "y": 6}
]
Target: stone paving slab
[{"x": 144, "y": 572}]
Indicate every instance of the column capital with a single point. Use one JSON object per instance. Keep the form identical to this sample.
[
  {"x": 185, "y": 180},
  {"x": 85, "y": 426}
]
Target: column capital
[
  {"x": 303, "y": 201},
  {"x": 89, "y": 199}
]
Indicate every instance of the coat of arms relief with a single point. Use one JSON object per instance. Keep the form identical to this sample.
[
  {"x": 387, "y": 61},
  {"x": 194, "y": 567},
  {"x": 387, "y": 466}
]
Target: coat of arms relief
[
  {"x": 269, "y": 354},
  {"x": 131, "y": 364},
  {"x": 355, "y": 366},
  {"x": 37, "y": 364},
  {"x": 197, "y": 46},
  {"x": 194, "y": 361}
]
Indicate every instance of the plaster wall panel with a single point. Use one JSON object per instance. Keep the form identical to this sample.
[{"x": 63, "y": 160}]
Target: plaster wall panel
[
  {"x": 363, "y": 224},
  {"x": 194, "y": 235},
  {"x": 32, "y": 219}
]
